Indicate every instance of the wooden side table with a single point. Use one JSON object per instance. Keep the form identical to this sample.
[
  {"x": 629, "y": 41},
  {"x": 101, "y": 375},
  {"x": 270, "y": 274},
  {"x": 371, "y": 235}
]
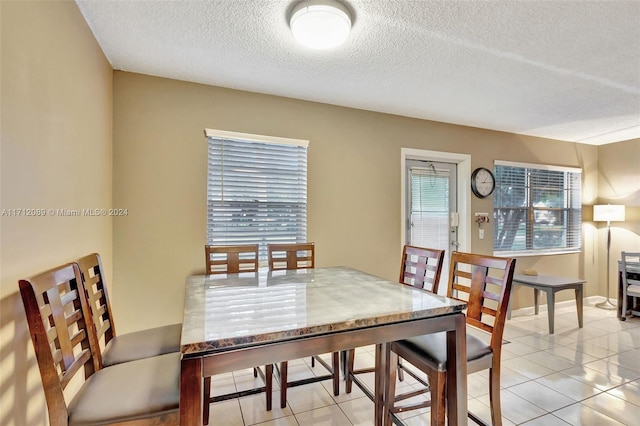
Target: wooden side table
[{"x": 550, "y": 284}]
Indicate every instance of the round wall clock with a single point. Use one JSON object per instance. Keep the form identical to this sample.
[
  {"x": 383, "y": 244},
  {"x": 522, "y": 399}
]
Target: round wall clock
[{"x": 482, "y": 182}]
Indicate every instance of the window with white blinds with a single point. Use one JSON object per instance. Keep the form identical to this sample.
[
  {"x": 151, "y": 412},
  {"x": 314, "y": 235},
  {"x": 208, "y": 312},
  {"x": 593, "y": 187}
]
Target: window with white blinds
[
  {"x": 429, "y": 206},
  {"x": 537, "y": 209},
  {"x": 256, "y": 191}
]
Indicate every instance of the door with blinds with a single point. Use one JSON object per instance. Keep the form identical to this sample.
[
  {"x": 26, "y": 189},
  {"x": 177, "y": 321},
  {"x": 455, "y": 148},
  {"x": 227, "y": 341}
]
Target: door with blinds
[{"x": 432, "y": 218}]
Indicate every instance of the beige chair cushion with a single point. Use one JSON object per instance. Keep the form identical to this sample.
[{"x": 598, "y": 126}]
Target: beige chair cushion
[
  {"x": 432, "y": 348},
  {"x": 142, "y": 344},
  {"x": 130, "y": 391}
]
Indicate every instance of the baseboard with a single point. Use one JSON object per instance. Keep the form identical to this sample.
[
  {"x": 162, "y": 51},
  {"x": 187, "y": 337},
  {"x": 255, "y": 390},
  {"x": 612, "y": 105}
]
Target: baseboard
[{"x": 587, "y": 301}]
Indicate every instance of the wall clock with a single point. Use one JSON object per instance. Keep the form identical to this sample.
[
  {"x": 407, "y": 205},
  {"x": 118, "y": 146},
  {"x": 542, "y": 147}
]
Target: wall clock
[{"x": 482, "y": 182}]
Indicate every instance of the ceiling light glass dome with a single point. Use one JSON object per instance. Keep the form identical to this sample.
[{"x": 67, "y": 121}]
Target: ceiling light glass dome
[{"x": 320, "y": 24}]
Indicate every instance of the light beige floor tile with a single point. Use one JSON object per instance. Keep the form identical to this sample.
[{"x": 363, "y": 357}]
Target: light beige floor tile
[
  {"x": 308, "y": 397},
  {"x": 544, "y": 397},
  {"x": 594, "y": 378},
  {"x": 547, "y": 420},
  {"x": 519, "y": 348},
  {"x": 516, "y": 409},
  {"x": 508, "y": 377},
  {"x": 549, "y": 360},
  {"x": 527, "y": 368},
  {"x": 612, "y": 369},
  {"x": 616, "y": 408},
  {"x": 571, "y": 354},
  {"x": 535, "y": 341},
  {"x": 282, "y": 421},
  {"x": 581, "y": 415},
  {"x": 480, "y": 408},
  {"x": 254, "y": 409},
  {"x": 359, "y": 411},
  {"x": 222, "y": 384},
  {"x": 568, "y": 386},
  {"x": 629, "y": 392},
  {"x": 325, "y": 416},
  {"x": 225, "y": 413}
]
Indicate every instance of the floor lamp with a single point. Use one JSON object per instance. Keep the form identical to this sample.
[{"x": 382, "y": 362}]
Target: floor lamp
[{"x": 608, "y": 213}]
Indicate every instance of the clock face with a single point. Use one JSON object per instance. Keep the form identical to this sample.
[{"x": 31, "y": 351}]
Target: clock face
[{"x": 482, "y": 182}]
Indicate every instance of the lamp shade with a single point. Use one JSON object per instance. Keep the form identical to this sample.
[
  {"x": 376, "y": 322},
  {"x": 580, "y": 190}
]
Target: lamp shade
[
  {"x": 320, "y": 24},
  {"x": 608, "y": 213}
]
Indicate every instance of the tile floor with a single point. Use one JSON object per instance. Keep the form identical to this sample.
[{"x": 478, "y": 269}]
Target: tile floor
[{"x": 588, "y": 376}]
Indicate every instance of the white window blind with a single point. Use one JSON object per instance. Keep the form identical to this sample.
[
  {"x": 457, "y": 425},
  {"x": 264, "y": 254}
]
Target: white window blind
[
  {"x": 256, "y": 192},
  {"x": 429, "y": 207},
  {"x": 537, "y": 209}
]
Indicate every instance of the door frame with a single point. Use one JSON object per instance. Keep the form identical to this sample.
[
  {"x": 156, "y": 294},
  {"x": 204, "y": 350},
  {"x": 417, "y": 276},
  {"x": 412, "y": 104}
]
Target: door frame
[{"x": 463, "y": 162}]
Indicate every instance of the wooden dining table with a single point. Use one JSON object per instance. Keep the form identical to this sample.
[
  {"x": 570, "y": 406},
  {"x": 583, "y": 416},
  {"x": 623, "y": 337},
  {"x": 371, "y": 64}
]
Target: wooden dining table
[{"x": 238, "y": 321}]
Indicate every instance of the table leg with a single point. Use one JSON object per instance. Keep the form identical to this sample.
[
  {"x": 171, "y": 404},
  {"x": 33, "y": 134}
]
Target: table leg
[
  {"x": 457, "y": 373},
  {"x": 536, "y": 300},
  {"x": 191, "y": 382},
  {"x": 551, "y": 305},
  {"x": 579, "y": 304}
]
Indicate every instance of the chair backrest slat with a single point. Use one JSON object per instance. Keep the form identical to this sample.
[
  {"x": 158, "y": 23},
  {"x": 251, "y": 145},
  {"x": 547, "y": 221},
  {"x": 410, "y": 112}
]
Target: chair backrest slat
[
  {"x": 231, "y": 259},
  {"x": 63, "y": 338},
  {"x": 627, "y": 258},
  {"x": 291, "y": 256},
  {"x": 486, "y": 281},
  {"x": 421, "y": 267}
]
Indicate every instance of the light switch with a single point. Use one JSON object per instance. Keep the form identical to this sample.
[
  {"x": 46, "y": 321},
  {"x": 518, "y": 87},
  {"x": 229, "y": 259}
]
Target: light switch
[{"x": 481, "y": 233}]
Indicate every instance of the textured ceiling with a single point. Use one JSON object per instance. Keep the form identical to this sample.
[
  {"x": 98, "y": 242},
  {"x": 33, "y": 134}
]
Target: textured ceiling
[{"x": 567, "y": 70}]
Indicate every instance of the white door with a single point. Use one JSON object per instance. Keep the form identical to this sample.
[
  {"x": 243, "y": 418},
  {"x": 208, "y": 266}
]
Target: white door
[{"x": 431, "y": 209}]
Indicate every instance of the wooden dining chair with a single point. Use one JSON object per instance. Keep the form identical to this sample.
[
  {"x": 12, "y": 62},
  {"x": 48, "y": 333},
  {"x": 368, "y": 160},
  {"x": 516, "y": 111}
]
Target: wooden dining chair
[
  {"x": 142, "y": 392},
  {"x": 421, "y": 268},
  {"x": 291, "y": 256},
  {"x": 300, "y": 256},
  {"x": 119, "y": 348},
  {"x": 233, "y": 259},
  {"x": 484, "y": 283}
]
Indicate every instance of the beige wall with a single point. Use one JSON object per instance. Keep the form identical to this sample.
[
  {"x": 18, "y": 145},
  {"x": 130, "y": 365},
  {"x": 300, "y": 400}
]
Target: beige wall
[
  {"x": 56, "y": 121},
  {"x": 353, "y": 184},
  {"x": 619, "y": 183}
]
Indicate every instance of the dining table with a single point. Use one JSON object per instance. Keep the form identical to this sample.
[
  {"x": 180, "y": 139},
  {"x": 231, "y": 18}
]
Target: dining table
[{"x": 237, "y": 321}]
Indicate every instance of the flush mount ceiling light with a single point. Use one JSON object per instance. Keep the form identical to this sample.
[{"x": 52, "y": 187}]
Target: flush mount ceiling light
[{"x": 320, "y": 24}]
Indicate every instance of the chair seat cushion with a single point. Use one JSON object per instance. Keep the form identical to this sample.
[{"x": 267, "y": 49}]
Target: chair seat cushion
[
  {"x": 142, "y": 344},
  {"x": 129, "y": 391},
  {"x": 432, "y": 348}
]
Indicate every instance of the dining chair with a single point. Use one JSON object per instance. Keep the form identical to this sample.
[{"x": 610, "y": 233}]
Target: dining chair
[
  {"x": 141, "y": 392},
  {"x": 630, "y": 284},
  {"x": 291, "y": 256},
  {"x": 119, "y": 348},
  {"x": 232, "y": 259},
  {"x": 484, "y": 283},
  {"x": 419, "y": 267},
  {"x": 299, "y": 256}
]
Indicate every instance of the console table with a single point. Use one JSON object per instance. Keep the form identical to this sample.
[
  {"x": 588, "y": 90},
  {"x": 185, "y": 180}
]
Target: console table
[{"x": 550, "y": 284}]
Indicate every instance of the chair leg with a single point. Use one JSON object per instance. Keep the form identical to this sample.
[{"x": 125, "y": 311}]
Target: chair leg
[
  {"x": 400, "y": 371},
  {"x": 438, "y": 397},
  {"x": 494, "y": 396},
  {"x": 283, "y": 384},
  {"x": 336, "y": 373},
  {"x": 349, "y": 369},
  {"x": 313, "y": 362},
  {"x": 205, "y": 406},
  {"x": 268, "y": 384},
  {"x": 255, "y": 372}
]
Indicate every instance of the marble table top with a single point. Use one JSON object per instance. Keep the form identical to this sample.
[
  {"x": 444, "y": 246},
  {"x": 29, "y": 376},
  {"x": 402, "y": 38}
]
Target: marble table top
[{"x": 224, "y": 312}]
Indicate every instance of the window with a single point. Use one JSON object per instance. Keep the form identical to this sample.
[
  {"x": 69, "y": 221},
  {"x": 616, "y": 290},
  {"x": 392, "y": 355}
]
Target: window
[
  {"x": 256, "y": 190},
  {"x": 537, "y": 209}
]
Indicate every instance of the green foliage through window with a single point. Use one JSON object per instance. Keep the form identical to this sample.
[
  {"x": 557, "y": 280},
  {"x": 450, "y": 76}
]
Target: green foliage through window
[{"x": 537, "y": 209}]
